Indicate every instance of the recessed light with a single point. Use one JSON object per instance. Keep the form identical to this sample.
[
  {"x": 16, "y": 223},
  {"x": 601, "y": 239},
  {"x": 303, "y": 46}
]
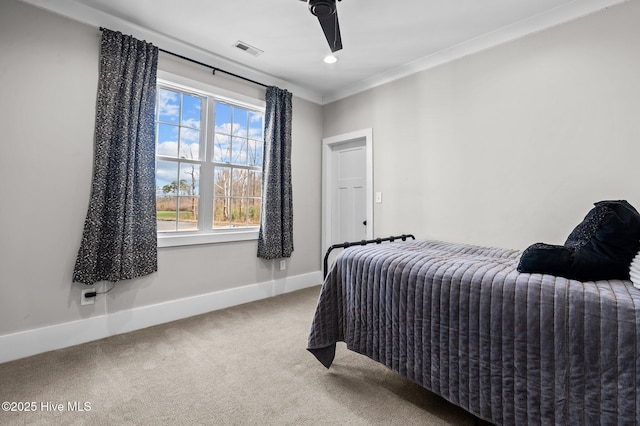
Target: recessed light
[{"x": 330, "y": 59}]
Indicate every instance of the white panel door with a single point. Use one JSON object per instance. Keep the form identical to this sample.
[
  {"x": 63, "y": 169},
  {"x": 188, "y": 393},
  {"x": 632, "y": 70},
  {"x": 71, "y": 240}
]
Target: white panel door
[{"x": 348, "y": 193}]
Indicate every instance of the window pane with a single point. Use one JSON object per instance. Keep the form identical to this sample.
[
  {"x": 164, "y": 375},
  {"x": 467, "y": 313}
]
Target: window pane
[
  {"x": 188, "y": 202},
  {"x": 168, "y": 106},
  {"x": 191, "y": 107},
  {"x": 239, "y": 151},
  {"x": 166, "y": 210},
  {"x": 166, "y": 177},
  {"x": 255, "y": 153},
  {"x": 189, "y": 179},
  {"x": 188, "y": 213},
  {"x": 222, "y": 182},
  {"x": 223, "y": 118},
  {"x": 253, "y": 212},
  {"x": 256, "y": 126},
  {"x": 167, "y": 140},
  {"x": 189, "y": 143},
  {"x": 239, "y": 212},
  {"x": 255, "y": 183},
  {"x": 239, "y": 186},
  {"x": 240, "y": 122},
  {"x": 221, "y": 207},
  {"x": 166, "y": 195},
  {"x": 222, "y": 149}
]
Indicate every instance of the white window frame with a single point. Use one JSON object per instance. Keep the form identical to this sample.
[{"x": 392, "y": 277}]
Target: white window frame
[{"x": 208, "y": 236}]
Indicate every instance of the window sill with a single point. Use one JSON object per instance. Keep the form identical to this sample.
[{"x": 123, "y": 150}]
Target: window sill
[{"x": 190, "y": 239}]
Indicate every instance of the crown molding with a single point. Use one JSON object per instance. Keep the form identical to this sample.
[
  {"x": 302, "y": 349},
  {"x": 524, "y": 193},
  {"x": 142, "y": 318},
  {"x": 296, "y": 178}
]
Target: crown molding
[
  {"x": 551, "y": 18},
  {"x": 548, "y": 19}
]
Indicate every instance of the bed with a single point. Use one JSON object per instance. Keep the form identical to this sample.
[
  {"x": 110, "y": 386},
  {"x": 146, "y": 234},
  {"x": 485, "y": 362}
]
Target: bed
[{"x": 510, "y": 347}]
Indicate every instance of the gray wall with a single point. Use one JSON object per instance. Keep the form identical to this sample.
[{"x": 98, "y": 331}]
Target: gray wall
[
  {"x": 511, "y": 145},
  {"x": 48, "y": 82}
]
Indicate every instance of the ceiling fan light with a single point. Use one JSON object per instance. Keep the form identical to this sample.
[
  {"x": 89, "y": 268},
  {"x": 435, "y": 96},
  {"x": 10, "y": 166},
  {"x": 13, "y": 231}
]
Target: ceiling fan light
[{"x": 330, "y": 59}]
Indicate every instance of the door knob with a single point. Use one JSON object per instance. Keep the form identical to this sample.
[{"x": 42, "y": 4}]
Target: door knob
[{"x": 364, "y": 223}]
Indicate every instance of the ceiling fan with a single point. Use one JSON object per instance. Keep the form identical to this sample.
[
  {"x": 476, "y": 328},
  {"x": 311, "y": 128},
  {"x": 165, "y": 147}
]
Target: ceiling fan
[{"x": 327, "y": 14}]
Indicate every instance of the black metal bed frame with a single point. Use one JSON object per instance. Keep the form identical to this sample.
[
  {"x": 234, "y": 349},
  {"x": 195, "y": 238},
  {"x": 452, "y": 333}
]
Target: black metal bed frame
[{"x": 402, "y": 237}]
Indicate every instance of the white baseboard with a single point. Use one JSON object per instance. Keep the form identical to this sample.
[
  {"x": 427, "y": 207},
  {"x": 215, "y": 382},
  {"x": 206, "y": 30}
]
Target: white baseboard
[{"x": 35, "y": 341}]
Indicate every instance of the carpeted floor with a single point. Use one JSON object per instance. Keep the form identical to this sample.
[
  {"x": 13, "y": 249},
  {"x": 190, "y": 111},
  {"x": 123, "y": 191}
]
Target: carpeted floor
[{"x": 245, "y": 365}]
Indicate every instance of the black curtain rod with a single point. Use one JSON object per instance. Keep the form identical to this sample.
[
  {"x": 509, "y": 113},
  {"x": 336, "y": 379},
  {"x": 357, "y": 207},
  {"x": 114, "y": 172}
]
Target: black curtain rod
[{"x": 209, "y": 66}]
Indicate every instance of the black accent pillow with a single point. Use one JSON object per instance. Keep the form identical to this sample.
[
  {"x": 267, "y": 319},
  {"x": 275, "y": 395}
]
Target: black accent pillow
[{"x": 601, "y": 247}]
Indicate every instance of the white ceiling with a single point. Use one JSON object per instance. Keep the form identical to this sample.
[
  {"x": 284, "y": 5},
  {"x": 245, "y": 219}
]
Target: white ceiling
[{"x": 383, "y": 39}]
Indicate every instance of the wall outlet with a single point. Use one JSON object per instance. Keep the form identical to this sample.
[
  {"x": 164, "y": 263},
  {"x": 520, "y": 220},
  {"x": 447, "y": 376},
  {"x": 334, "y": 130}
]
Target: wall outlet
[
  {"x": 87, "y": 300},
  {"x": 283, "y": 265}
]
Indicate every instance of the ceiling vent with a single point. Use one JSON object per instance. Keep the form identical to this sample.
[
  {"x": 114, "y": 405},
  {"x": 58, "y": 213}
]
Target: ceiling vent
[{"x": 247, "y": 48}]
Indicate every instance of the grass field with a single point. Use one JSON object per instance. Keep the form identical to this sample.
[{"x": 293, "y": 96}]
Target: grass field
[{"x": 171, "y": 215}]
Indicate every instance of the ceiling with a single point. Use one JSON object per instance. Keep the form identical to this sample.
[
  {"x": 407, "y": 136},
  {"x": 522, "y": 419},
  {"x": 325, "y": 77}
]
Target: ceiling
[{"x": 383, "y": 39}]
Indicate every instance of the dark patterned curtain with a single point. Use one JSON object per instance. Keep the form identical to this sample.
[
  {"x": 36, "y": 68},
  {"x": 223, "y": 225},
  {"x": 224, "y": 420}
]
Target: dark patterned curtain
[
  {"x": 276, "y": 228},
  {"x": 119, "y": 238}
]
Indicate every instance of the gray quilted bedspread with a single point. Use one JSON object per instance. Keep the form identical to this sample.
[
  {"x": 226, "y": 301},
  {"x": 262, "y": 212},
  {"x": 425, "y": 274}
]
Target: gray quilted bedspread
[{"x": 510, "y": 348}]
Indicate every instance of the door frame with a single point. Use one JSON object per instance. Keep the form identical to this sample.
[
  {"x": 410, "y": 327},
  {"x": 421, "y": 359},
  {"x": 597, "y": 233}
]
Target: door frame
[{"x": 327, "y": 172}]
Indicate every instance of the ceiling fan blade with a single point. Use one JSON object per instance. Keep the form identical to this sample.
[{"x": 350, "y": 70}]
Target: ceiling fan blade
[{"x": 331, "y": 29}]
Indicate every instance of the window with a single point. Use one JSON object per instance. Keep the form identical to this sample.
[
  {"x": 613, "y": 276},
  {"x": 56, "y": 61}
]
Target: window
[{"x": 209, "y": 152}]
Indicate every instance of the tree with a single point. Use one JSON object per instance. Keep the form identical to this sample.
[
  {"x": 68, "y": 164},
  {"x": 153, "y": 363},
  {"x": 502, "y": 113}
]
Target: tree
[
  {"x": 192, "y": 190},
  {"x": 187, "y": 152},
  {"x": 175, "y": 187},
  {"x": 223, "y": 190}
]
